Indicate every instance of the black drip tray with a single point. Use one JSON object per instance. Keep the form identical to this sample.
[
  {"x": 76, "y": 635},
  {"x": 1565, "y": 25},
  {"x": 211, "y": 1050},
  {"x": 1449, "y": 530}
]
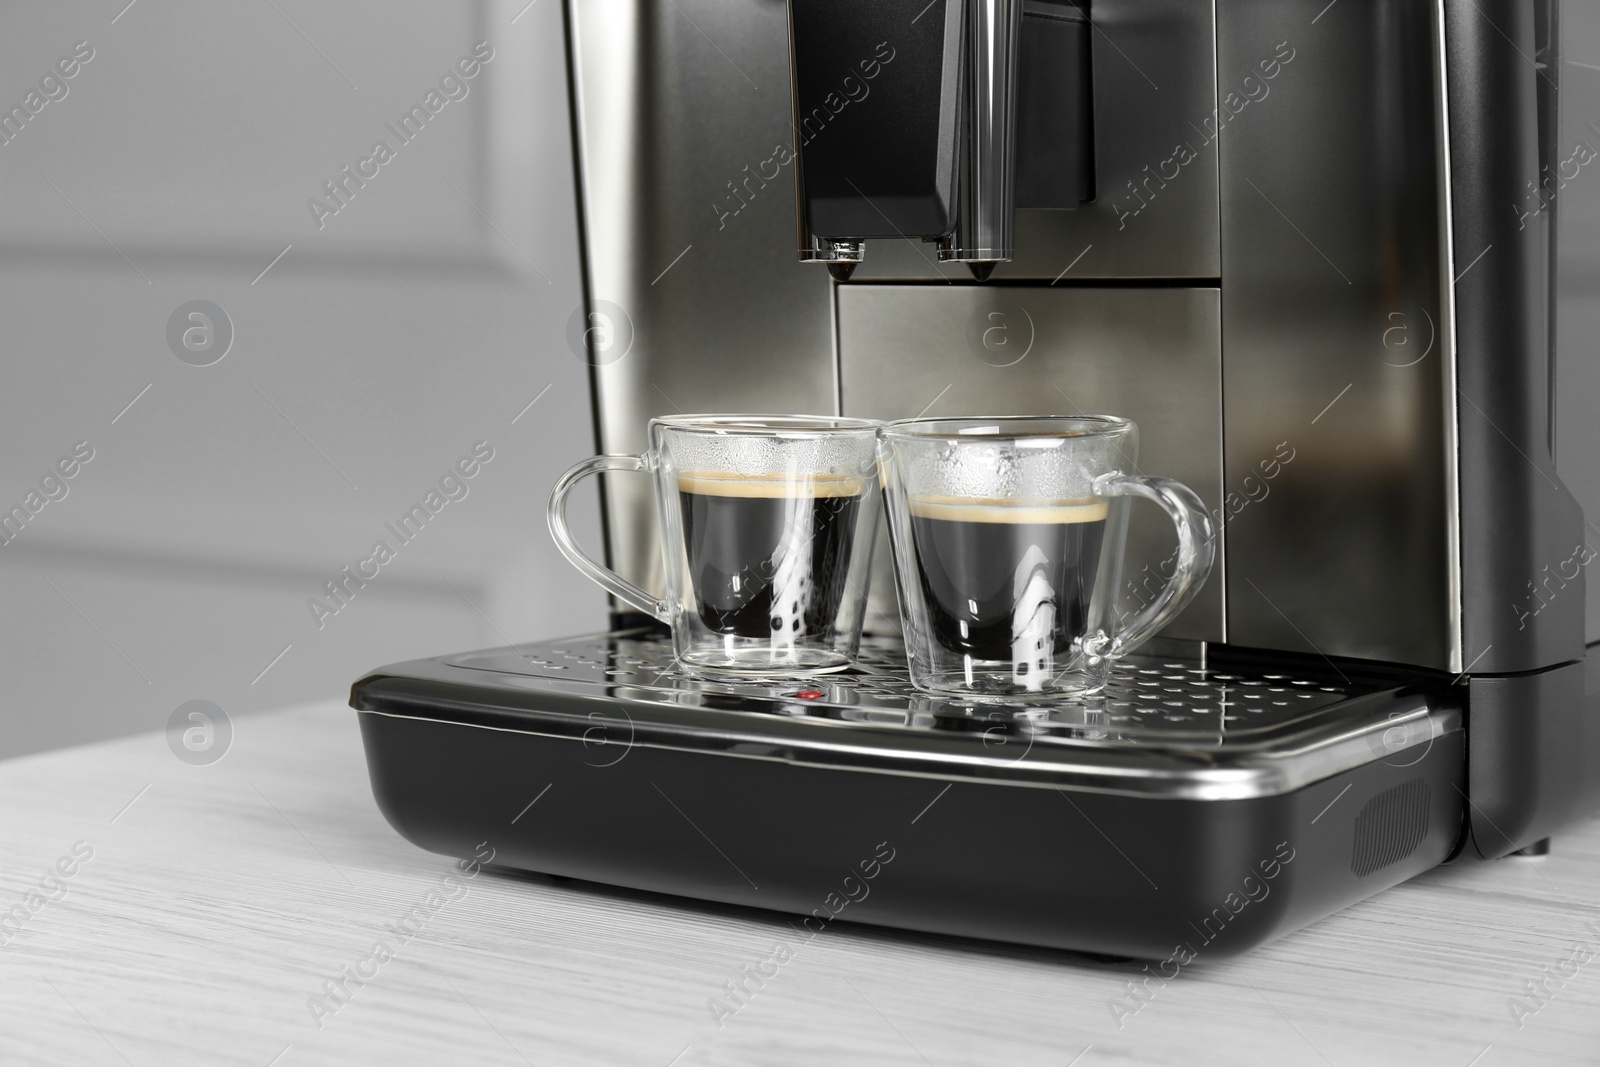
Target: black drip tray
[{"x": 1120, "y": 823}]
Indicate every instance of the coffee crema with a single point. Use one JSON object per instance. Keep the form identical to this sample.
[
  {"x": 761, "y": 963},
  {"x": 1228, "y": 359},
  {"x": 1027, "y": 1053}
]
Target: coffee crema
[
  {"x": 768, "y": 554},
  {"x": 1007, "y": 580},
  {"x": 770, "y": 485}
]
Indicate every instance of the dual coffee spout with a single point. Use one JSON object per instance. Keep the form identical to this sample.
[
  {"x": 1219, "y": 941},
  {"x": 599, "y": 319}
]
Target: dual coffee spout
[{"x": 905, "y": 125}]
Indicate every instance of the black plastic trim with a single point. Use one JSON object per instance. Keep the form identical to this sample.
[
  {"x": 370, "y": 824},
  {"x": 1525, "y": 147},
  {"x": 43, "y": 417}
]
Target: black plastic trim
[{"x": 1533, "y": 754}]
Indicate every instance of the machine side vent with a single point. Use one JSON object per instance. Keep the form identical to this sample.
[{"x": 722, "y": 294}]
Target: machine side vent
[{"x": 1390, "y": 827}]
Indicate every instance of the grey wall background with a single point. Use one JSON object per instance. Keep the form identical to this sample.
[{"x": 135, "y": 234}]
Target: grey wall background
[{"x": 422, "y": 318}]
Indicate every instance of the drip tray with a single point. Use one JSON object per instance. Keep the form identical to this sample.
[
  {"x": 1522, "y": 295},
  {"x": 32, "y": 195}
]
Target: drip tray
[{"x": 1196, "y": 775}]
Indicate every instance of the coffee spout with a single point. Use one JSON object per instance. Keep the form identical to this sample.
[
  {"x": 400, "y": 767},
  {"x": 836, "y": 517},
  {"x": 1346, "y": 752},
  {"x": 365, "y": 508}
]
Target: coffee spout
[
  {"x": 982, "y": 236},
  {"x": 842, "y": 257}
]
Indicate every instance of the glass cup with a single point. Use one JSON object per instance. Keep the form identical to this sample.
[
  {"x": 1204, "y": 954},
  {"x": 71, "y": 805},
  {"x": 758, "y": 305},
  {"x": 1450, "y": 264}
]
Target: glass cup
[
  {"x": 1008, "y": 537},
  {"x": 767, "y": 525}
]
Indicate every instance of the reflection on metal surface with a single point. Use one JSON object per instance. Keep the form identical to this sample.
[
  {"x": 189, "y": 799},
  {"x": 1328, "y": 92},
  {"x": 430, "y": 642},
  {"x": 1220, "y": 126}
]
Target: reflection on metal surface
[
  {"x": 735, "y": 326},
  {"x": 1149, "y": 354},
  {"x": 1324, "y": 238},
  {"x": 1575, "y": 383},
  {"x": 1445, "y": 335}
]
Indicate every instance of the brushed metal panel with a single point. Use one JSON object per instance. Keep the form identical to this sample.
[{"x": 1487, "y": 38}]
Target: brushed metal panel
[
  {"x": 1577, "y": 240},
  {"x": 1150, "y": 354},
  {"x": 1155, "y": 88},
  {"x": 1335, "y": 325},
  {"x": 682, "y": 106}
]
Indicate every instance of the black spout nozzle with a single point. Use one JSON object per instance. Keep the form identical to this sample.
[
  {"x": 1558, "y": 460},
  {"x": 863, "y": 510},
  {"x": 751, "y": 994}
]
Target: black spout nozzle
[
  {"x": 982, "y": 269},
  {"x": 841, "y": 269}
]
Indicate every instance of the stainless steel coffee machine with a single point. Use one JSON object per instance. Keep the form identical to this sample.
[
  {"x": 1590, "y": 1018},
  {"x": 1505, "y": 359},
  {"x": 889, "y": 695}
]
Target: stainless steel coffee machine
[{"x": 1334, "y": 260}]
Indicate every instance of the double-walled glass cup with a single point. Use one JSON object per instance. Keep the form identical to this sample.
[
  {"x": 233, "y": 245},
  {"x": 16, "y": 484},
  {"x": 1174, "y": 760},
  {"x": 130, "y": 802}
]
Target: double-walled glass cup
[
  {"x": 767, "y": 525},
  {"x": 1008, "y": 536}
]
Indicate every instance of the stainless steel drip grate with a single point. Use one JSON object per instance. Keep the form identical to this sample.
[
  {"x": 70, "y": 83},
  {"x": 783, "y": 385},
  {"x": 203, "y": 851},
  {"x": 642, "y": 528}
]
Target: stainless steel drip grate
[{"x": 1149, "y": 700}]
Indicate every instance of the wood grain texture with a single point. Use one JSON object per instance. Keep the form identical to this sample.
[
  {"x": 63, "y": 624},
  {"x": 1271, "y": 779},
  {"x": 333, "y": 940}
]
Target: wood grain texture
[{"x": 223, "y": 897}]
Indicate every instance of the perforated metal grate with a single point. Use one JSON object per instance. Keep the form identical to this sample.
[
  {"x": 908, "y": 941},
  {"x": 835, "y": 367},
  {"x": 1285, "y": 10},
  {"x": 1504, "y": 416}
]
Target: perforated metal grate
[{"x": 1149, "y": 700}]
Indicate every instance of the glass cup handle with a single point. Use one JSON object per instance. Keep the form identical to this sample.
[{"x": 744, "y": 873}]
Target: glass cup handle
[
  {"x": 1196, "y": 551},
  {"x": 604, "y": 577}
]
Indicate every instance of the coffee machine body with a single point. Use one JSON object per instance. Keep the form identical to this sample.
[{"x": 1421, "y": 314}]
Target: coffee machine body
[{"x": 1336, "y": 265}]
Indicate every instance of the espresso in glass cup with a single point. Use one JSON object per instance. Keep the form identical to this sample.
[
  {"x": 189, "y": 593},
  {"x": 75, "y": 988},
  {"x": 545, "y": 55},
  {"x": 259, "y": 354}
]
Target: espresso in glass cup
[
  {"x": 767, "y": 526},
  {"x": 1008, "y": 536}
]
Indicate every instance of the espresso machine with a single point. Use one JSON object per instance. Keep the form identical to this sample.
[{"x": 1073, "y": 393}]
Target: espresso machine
[{"x": 1333, "y": 260}]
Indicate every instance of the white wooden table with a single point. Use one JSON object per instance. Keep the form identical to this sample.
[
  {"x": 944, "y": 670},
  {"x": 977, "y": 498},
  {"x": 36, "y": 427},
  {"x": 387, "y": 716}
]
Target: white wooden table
[{"x": 219, "y": 899}]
